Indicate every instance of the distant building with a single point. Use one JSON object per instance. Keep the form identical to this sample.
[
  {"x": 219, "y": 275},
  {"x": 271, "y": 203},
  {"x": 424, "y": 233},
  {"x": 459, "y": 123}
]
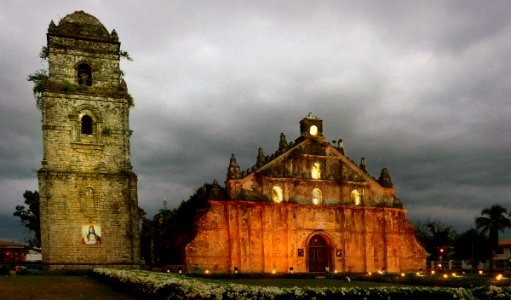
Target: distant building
[
  {"x": 11, "y": 252},
  {"x": 88, "y": 190},
  {"x": 503, "y": 256},
  {"x": 308, "y": 208}
]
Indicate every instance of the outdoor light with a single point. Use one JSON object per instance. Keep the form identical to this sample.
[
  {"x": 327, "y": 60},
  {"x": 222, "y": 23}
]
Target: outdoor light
[
  {"x": 273, "y": 272},
  {"x": 453, "y": 274},
  {"x": 445, "y": 276},
  {"x": 499, "y": 277},
  {"x": 236, "y": 270},
  {"x": 369, "y": 273},
  {"x": 480, "y": 272},
  {"x": 432, "y": 272},
  {"x": 402, "y": 274},
  {"x": 207, "y": 272},
  {"x": 168, "y": 271},
  {"x": 291, "y": 270},
  {"x": 335, "y": 271}
]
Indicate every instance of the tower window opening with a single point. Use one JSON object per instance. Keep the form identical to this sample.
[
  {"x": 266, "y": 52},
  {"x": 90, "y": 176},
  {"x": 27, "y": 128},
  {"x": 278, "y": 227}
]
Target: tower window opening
[
  {"x": 84, "y": 75},
  {"x": 86, "y": 125}
]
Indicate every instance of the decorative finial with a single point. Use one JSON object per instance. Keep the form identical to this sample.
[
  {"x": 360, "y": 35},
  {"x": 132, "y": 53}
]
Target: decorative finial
[
  {"x": 340, "y": 146},
  {"x": 282, "y": 143},
  {"x": 52, "y": 26},
  {"x": 114, "y": 35},
  {"x": 233, "y": 171},
  {"x": 260, "y": 158},
  {"x": 385, "y": 180},
  {"x": 363, "y": 165}
]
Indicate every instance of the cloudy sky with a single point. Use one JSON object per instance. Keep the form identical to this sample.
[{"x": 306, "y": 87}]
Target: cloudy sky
[{"x": 420, "y": 86}]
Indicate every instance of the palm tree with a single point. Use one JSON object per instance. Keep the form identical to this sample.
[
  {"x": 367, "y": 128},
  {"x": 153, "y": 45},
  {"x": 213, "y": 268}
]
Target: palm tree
[{"x": 493, "y": 220}]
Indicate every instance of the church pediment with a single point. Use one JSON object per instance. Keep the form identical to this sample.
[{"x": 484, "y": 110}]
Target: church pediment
[{"x": 307, "y": 170}]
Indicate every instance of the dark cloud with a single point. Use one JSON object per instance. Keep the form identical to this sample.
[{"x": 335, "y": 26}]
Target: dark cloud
[{"x": 422, "y": 87}]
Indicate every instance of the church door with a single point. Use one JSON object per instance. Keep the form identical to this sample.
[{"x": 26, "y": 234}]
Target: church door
[{"x": 319, "y": 254}]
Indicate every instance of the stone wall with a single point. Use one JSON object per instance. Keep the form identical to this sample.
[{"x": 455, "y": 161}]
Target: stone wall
[
  {"x": 88, "y": 191},
  {"x": 262, "y": 237}
]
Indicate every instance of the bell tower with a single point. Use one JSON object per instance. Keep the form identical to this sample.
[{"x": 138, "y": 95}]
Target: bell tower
[{"x": 88, "y": 190}]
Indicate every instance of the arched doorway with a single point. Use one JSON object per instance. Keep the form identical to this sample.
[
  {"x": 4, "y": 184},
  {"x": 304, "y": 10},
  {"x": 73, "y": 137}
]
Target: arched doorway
[{"x": 319, "y": 253}]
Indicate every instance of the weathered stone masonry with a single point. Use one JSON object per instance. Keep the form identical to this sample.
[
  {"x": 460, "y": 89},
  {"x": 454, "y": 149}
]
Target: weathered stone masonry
[
  {"x": 88, "y": 191},
  {"x": 308, "y": 207}
]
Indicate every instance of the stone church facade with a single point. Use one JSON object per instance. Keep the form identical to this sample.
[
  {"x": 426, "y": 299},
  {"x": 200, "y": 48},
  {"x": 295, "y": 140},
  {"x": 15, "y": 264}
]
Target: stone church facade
[
  {"x": 88, "y": 190},
  {"x": 307, "y": 208}
]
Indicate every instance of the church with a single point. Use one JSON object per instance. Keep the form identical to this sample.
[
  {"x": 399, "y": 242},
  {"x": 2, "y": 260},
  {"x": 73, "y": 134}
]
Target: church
[{"x": 306, "y": 208}]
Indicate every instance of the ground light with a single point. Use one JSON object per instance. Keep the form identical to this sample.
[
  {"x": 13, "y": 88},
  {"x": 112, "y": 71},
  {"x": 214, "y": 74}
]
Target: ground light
[{"x": 499, "y": 277}]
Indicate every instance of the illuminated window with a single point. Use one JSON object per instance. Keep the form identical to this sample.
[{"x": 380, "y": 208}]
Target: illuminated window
[
  {"x": 316, "y": 197},
  {"x": 313, "y": 130},
  {"x": 276, "y": 194},
  {"x": 355, "y": 197},
  {"x": 86, "y": 124},
  {"x": 316, "y": 171}
]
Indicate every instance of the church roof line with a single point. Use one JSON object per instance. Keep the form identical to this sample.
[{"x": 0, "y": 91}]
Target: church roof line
[{"x": 285, "y": 149}]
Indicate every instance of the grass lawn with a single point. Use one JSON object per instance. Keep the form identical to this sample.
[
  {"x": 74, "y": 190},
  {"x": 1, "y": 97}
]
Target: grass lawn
[{"x": 56, "y": 287}]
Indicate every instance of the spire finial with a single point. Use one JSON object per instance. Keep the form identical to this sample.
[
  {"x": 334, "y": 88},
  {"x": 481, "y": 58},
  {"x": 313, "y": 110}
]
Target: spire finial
[
  {"x": 233, "y": 171},
  {"x": 260, "y": 158},
  {"x": 282, "y": 143},
  {"x": 385, "y": 180}
]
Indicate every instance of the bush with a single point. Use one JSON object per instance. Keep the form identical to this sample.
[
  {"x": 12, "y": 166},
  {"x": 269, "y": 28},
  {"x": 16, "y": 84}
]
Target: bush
[{"x": 173, "y": 286}]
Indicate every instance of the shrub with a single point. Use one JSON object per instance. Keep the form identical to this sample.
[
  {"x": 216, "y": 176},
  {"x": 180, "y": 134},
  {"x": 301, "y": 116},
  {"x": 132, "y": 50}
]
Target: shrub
[{"x": 173, "y": 286}]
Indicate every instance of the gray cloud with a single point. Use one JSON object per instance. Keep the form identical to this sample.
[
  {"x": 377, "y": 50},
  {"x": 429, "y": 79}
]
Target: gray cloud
[{"x": 422, "y": 87}]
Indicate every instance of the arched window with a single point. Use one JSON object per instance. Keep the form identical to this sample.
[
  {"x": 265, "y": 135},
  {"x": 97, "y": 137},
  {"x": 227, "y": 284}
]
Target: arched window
[
  {"x": 276, "y": 194},
  {"x": 84, "y": 74},
  {"x": 86, "y": 124},
  {"x": 316, "y": 171},
  {"x": 355, "y": 197},
  {"x": 317, "y": 199},
  {"x": 313, "y": 130}
]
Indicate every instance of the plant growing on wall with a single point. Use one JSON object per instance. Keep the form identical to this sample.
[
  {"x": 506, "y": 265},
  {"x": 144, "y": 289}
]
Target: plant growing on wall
[
  {"x": 124, "y": 54},
  {"x": 39, "y": 79}
]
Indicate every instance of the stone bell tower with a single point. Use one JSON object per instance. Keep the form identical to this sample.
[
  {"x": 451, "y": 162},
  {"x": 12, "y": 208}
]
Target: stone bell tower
[{"x": 88, "y": 191}]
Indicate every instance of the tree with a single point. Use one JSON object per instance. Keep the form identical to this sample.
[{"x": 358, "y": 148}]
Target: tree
[
  {"x": 30, "y": 216},
  {"x": 471, "y": 245},
  {"x": 166, "y": 236},
  {"x": 491, "y": 221},
  {"x": 435, "y": 237}
]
